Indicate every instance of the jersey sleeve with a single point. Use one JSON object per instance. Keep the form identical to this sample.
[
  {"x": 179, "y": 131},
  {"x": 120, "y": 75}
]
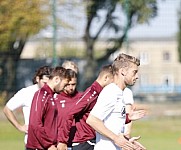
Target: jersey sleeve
[
  {"x": 104, "y": 105},
  {"x": 128, "y": 96},
  {"x": 17, "y": 100},
  {"x": 66, "y": 118}
]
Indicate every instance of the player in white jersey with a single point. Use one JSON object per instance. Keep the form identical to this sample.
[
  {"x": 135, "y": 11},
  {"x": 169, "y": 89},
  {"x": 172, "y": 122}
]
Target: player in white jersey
[
  {"x": 111, "y": 109},
  {"x": 23, "y": 99},
  {"x": 109, "y": 115}
]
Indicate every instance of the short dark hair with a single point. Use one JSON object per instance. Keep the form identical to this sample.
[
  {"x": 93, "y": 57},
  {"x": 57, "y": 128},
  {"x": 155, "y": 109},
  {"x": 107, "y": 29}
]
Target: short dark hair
[
  {"x": 106, "y": 69},
  {"x": 44, "y": 70},
  {"x": 72, "y": 73},
  {"x": 61, "y": 72}
]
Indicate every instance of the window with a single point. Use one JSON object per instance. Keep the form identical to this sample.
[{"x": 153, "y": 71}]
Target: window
[
  {"x": 144, "y": 58},
  {"x": 166, "y": 56}
]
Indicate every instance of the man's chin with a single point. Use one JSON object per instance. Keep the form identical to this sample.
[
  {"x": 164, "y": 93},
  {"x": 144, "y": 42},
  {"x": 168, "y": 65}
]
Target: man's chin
[{"x": 58, "y": 92}]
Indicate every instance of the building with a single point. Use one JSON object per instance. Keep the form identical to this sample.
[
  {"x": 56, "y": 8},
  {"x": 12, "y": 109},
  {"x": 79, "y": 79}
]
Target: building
[{"x": 160, "y": 69}]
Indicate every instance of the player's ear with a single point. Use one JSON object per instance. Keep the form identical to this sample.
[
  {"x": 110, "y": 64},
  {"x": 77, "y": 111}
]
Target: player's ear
[
  {"x": 57, "y": 80},
  {"x": 123, "y": 71},
  {"x": 37, "y": 79}
]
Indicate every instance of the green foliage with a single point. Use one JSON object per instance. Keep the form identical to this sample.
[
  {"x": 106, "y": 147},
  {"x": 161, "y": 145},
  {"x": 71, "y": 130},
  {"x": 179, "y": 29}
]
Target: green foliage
[
  {"x": 144, "y": 10},
  {"x": 134, "y": 12},
  {"x": 19, "y": 19}
]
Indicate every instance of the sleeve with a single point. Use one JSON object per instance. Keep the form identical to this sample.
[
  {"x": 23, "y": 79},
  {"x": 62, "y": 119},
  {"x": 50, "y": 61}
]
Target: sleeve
[
  {"x": 128, "y": 96},
  {"x": 17, "y": 100},
  {"x": 66, "y": 118},
  {"x": 104, "y": 105},
  {"x": 41, "y": 110}
]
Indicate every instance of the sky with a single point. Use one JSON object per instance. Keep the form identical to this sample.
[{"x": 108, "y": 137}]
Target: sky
[{"x": 164, "y": 25}]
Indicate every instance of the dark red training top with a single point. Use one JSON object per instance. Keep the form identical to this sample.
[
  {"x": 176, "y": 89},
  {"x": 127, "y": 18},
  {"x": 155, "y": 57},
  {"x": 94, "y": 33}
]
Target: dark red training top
[
  {"x": 42, "y": 131},
  {"x": 79, "y": 110}
]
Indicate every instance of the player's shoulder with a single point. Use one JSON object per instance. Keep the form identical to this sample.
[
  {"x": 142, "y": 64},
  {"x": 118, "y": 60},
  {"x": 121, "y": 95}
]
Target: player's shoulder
[
  {"x": 127, "y": 90},
  {"x": 110, "y": 89},
  {"x": 31, "y": 88}
]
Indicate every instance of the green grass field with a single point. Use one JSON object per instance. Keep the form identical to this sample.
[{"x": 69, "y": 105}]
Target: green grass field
[
  {"x": 157, "y": 133},
  {"x": 10, "y": 138}
]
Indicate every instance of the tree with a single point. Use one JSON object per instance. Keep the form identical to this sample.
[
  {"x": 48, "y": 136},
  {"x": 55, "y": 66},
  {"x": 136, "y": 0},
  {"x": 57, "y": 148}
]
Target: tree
[
  {"x": 135, "y": 12},
  {"x": 19, "y": 20}
]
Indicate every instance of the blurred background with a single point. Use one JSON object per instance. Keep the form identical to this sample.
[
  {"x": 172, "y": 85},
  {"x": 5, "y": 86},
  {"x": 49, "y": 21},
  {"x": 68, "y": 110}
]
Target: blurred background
[{"x": 92, "y": 33}]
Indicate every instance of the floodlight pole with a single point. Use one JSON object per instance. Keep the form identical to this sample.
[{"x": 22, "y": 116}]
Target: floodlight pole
[
  {"x": 54, "y": 33},
  {"x": 126, "y": 28}
]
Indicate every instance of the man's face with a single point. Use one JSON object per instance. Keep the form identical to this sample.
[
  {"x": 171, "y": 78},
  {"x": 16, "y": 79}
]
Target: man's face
[
  {"x": 131, "y": 75},
  {"x": 61, "y": 85},
  {"x": 42, "y": 81},
  {"x": 71, "y": 86}
]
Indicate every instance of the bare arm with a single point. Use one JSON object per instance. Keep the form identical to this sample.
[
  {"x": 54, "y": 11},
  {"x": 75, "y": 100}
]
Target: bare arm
[
  {"x": 13, "y": 120},
  {"x": 99, "y": 126}
]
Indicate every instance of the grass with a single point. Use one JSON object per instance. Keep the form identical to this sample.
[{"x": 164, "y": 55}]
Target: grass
[
  {"x": 160, "y": 132},
  {"x": 10, "y": 138}
]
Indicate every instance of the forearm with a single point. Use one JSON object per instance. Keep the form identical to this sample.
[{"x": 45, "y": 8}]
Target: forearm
[
  {"x": 11, "y": 117},
  {"x": 43, "y": 138},
  {"x": 99, "y": 126},
  {"x": 128, "y": 127}
]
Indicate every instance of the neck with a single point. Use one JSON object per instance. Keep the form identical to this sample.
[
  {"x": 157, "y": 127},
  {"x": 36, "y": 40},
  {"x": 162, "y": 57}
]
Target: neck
[
  {"x": 119, "y": 82},
  {"x": 100, "y": 82}
]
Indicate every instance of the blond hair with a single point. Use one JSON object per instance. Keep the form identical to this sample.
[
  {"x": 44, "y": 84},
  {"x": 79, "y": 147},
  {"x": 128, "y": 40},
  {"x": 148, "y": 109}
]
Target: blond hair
[
  {"x": 123, "y": 61},
  {"x": 70, "y": 65}
]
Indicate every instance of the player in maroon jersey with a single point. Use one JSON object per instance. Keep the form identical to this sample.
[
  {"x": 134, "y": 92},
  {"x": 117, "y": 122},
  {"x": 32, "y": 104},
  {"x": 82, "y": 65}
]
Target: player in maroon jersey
[
  {"x": 66, "y": 98},
  {"x": 79, "y": 111},
  {"x": 42, "y": 131}
]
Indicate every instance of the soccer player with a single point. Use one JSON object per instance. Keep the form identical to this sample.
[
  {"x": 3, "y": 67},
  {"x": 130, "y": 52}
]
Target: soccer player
[
  {"x": 42, "y": 131},
  {"x": 70, "y": 65},
  {"x": 23, "y": 99},
  {"x": 84, "y": 135},
  {"x": 65, "y": 99},
  {"x": 109, "y": 115}
]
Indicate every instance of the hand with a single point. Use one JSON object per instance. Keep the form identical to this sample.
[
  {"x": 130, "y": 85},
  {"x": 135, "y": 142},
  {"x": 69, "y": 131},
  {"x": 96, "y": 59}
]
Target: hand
[
  {"x": 136, "y": 143},
  {"x": 62, "y": 146},
  {"x": 137, "y": 114},
  {"x": 123, "y": 143},
  {"x": 52, "y": 147},
  {"x": 23, "y": 128}
]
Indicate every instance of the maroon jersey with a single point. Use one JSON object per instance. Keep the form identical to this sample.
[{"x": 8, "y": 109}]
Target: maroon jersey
[
  {"x": 42, "y": 131},
  {"x": 80, "y": 111},
  {"x": 64, "y": 103}
]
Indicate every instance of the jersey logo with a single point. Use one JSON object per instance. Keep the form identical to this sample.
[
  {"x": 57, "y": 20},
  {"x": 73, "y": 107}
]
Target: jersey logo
[
  {"x": 62, "y": 103},
  {"x": 123, "y": 111}
]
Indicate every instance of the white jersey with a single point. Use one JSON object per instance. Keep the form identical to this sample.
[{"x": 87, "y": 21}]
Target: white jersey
[
  {"x": 110, "y": 108},
  {"x": 128, "y": 96},
  {"x": 23, "y": 98}
]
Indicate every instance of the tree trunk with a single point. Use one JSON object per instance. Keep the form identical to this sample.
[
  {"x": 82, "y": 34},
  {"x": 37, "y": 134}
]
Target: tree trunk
[{"x": 8, "y": 66}]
